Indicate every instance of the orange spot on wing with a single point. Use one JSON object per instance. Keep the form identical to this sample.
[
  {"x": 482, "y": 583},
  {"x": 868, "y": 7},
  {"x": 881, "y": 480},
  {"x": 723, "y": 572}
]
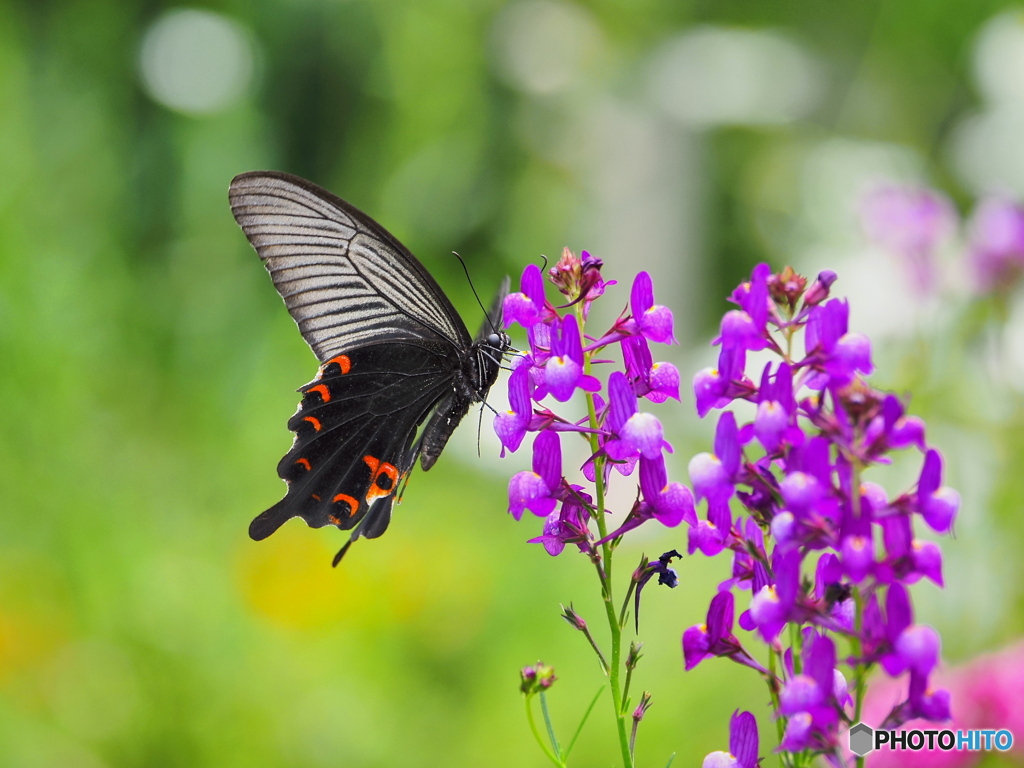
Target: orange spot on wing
[
  {"x": 353, "y": 505},
  {"x": 343, "y": 363},
  {"x": 385, "y": 479},
  {"x": 316, "y": 497},
  {"x": 372, "y": 462},
  {"x": 325, "y": 393},
  {"x": 305, "y": 463},
  {"x": 314, "y": 421}
]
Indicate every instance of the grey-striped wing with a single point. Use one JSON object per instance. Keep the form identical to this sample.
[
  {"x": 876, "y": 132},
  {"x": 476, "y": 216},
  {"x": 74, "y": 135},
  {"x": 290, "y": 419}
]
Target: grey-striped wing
[{"x": 346, "y": 281}]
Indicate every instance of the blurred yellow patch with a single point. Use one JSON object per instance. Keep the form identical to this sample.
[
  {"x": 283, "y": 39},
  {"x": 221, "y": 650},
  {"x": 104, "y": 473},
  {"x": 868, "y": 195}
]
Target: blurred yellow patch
[{"x": 432, "y": 585}]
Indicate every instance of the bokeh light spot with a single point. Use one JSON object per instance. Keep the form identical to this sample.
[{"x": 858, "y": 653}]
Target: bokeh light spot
[
  {"x": 541, "y": 46},
  {"x": 195, "y": 61},
  {"x": 711, "y": 76}
]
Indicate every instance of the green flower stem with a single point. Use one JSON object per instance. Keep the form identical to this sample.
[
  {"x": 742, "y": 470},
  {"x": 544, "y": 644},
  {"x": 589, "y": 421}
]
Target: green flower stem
[
  {"x": 773, "y": 691},
  {"x": 625, "y": 690},
  {"x": 537, "y": 736}
]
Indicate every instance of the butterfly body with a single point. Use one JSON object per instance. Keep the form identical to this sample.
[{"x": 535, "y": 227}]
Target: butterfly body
[{"x": 392, "y": 349}]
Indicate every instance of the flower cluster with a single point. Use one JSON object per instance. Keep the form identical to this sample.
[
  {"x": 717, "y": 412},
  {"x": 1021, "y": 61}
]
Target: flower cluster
[
  {"x": 622, "y": 436},
  {"x": 622, "y": 440},
  {"x": 825, "y": 554},
  {"x": 914, "y": 222}
]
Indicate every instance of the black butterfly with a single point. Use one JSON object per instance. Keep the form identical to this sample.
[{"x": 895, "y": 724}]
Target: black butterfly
[{"x": 392, "y": 350}]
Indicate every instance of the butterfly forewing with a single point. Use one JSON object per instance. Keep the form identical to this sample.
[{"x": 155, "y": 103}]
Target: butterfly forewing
[{"x": 345, "y": 280}]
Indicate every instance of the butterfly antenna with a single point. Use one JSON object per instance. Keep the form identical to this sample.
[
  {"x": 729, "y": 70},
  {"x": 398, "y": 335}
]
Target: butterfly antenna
[
  {"x": 475, "y": 294},
  {"x": 479, "y": 428}
]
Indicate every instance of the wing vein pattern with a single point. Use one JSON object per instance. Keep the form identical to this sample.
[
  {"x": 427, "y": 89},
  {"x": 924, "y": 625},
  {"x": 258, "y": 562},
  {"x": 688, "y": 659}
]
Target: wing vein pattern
[{"x": 345, "y": 280}]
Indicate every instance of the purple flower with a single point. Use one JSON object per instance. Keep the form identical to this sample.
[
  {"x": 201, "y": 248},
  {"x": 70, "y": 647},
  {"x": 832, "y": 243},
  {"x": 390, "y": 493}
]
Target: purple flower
[
  {"x": 536, "y": 490},
  {"x": 996, "y": 248},
  {"x": 910, "y": 222},
  {"x": 653, "y": 321},
  {"x": 717, "y": 387},
  {"x": 529, "y": 306},
  {"x": 713, "y": 475},
  {"x": 568, "y": 525},
  {"x": 938, "y": 505},
  {"x": 511, "y": 425},
  {"x": 655, "y": 381},
  {"x": 818, "y": 292},
  {"x": 715, "y": 638},
  {"x": 838, "y": 354},
  {"x": 672, "y": 502},
  {"x": 774, "y": 602},
  {"x": 743, "y": 744},
  {"x": 563, "y": 372},
  {"x": 579, "y": 278},
  {"x": 709, "y": 535},
  {"x": 632, "y": 432},
  {"x": 746, "y": 328}
]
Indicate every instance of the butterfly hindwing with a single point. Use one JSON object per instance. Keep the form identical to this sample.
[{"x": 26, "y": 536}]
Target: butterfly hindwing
[{"x": 354, "y": 432}]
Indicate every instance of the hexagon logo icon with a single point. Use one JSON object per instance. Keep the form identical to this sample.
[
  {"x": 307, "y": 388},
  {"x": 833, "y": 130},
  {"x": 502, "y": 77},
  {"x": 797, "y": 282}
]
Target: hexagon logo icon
[{"x": 861, "y": 739}]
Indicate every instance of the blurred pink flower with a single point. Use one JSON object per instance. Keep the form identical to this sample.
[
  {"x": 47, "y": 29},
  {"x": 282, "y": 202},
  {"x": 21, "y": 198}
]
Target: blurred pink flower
[
  {"x": 911, "y": 222},
  {"x": 988, "y": 692},
  {"x": 996, "y": 247}
]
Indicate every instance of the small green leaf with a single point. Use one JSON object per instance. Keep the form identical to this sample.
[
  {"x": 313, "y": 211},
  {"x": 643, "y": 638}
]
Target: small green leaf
[{"x": 579, "y": 728}]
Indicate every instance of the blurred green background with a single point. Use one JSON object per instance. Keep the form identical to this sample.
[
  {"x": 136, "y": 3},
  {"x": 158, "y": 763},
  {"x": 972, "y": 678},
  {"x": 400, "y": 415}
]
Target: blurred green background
[{"x": 147, "y": 368}]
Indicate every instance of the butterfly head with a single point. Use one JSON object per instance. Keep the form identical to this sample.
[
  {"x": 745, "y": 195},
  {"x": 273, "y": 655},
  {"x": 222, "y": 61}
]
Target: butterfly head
[{"x": 499, "y": 342}]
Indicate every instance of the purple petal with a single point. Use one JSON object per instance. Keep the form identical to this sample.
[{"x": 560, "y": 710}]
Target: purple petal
[
  {"x": 927, "y": 559},
  {"x": 695, "y": 645},
  {"x": 738, "y": 331},
  {"x": 547, "y": 459},
  {"x": 743, "y": 742},
  {"x": 858, "y": 557},
  {"x": 799, "y": 695},
  {"x": 708, "y": 386},
  {"x": 674, "y": 505},
  {"x": 727, "y": 443},
  {"x": 510, "y": 429},
  {"x": 656, "y": 325},
  {"x": 641, "y": 296},
  {"x": 940, "y": 509},
  {"x": 918, "y": 646},
  {"x": 770, "y": 424},
  {"x": 622, "y": 401},
  {"x": 562, "y": 374},
  {"x": 709, "y": 478},
  {"x": 664, "y": 382},
  {"x": 527, "y": 490},
  {"x": 645, "y": 434}
]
